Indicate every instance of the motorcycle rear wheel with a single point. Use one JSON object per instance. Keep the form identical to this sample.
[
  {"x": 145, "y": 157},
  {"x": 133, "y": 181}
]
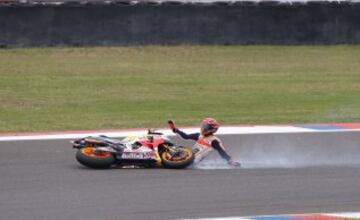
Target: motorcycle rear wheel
[
  {"x": 98, "y": 160},
  {"x": 178, "y": 163}
]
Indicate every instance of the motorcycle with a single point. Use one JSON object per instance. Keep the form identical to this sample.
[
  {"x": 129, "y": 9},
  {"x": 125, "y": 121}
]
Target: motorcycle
[{"x": 151, "y": 150}]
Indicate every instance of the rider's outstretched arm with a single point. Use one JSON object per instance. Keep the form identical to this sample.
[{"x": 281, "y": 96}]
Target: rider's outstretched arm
[
  {"x": 182, "y": 134},
  {"x": 217, "y": 146}
]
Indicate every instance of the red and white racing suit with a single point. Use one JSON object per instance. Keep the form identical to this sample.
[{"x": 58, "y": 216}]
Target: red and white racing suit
[{"x": 204, "y": 145}]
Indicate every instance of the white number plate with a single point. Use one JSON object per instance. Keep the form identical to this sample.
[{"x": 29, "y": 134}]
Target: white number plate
[{"x": 136, "y": 156}]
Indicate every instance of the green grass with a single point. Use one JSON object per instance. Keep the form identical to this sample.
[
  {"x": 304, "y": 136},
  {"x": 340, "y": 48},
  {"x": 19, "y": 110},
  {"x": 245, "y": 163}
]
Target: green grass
[{"x": 125, "y": 87}]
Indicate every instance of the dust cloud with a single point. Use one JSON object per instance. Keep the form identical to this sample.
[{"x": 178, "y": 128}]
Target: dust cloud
[{"x": 288, "y": 150}]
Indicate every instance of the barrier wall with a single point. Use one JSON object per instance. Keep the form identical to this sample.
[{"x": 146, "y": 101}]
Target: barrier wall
[{"x": 174, "y": 23}]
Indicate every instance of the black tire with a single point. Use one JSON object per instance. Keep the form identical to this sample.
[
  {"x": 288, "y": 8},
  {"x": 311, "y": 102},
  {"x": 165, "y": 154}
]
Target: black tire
[
  {"x": 101, "y": 162},
  {"x": 178, "y": 164}
]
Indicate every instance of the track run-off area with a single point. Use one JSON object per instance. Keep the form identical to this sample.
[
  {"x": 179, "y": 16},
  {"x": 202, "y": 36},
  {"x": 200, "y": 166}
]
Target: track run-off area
[{"x": 286, "y": 169}]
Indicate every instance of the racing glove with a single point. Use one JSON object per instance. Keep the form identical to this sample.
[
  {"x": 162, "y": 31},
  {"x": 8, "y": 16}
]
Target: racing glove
[
  {"x": 233, "y": 163},
  {"x": 171, "y": 125}
]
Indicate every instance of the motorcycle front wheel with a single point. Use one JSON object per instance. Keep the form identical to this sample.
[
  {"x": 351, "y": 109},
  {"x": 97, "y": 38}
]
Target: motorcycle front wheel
[
  {"x": 183, "y": 158},
  {"x": 98, "y": 160}
]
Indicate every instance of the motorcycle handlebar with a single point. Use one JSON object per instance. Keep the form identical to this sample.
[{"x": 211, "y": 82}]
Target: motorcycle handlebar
[{"x": 153, "y": 132}]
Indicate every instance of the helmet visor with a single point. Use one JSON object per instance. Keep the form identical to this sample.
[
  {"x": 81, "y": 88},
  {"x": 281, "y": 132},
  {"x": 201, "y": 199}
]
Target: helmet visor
[{"x": 205, "y": 127}]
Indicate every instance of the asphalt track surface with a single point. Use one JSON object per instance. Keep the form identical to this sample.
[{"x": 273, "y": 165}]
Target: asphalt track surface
[{"x": 42, "y": 180}]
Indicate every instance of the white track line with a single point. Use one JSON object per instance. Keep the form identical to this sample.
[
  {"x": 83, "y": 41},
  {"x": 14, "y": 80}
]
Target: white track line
[
  {"x": 345, "y": 215},
  {"x": 225, "y": 218},
  {"x": 350, "y": 215}
]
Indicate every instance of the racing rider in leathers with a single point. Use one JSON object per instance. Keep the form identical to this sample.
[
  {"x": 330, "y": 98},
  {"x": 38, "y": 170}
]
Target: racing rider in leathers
[{"x": 206, "y": 141}]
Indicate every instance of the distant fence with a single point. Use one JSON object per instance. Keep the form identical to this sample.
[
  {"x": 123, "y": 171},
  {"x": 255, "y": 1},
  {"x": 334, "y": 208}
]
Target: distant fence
[{"x": 122, "y": 23}]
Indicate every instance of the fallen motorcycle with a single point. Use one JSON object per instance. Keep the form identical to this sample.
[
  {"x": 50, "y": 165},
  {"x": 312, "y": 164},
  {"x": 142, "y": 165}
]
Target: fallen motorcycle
[{"x": 151, "y": 150}]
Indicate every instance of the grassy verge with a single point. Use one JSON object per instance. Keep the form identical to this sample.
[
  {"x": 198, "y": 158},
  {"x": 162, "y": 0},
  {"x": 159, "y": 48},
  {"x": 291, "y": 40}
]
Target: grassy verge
[{"x": 124, "y": 87}]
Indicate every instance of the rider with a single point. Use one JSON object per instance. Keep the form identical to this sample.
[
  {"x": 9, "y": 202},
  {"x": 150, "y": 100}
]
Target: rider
[{"x": 206, "y": 141}]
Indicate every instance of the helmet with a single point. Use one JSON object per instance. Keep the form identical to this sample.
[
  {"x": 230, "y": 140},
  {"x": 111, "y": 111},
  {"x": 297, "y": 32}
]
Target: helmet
[{"x": 209, "y": 126}]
